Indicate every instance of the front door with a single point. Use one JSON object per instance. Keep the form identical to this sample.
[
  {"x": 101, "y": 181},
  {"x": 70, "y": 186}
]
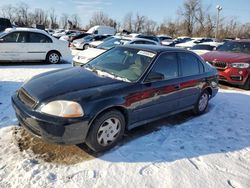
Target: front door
[
  {"x": 160, "y": 89},
  {"x": 13, "y": 47}
]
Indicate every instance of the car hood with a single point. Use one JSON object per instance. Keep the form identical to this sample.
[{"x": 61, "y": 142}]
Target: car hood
[
  {"x": 228, "y": 57},
  {"x": 55, "y": 83},
  {"x": 86, "y": 55}
]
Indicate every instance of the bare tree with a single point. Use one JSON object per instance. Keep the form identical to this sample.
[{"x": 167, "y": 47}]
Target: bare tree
[
  {"x": 22, "y": 14},
  {"x": 53, "y": 19},
  {"x": 189, "y": 14},
  {"x": 75, "y": 21},
  {"x": 128, "y": 22},
  {"x": 150, "y": 27},
  {"x": 64, "y": 20},
  {"x": 99, "y": 18},
  {"x": 7, "y": 12},
  {"x": 39, "y": 17},
  {"x": 139, "y": 23}
]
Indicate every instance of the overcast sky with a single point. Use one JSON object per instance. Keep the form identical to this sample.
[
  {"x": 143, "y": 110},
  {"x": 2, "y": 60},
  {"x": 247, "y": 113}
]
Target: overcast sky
[{"x": 157, "y": 10}]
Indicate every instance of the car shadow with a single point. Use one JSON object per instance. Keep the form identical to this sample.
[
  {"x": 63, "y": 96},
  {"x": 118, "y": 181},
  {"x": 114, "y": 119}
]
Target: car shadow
[
  {"x": 224, "y": 128},
  {"x": 7, "y": 89}
]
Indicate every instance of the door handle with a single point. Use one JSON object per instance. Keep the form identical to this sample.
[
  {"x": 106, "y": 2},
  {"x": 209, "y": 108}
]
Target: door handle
[{"x": 178, "y": 86}]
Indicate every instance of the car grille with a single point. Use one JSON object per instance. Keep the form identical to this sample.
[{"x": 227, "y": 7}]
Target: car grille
[
  {"x": 26, "y": 98},
  {"x": 219, "y": 65}
]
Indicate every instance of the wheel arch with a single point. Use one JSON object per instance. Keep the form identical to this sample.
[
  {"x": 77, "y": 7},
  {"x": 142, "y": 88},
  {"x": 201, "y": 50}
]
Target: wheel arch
[
  {"x": 53, "y": 51},
  {"x": 121, "y": 109}
]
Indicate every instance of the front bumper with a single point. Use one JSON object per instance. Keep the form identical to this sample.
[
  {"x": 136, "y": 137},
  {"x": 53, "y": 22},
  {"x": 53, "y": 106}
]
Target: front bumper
[
  {"x": 52, "y": 129},
  {"x": 234, "y": 76}
]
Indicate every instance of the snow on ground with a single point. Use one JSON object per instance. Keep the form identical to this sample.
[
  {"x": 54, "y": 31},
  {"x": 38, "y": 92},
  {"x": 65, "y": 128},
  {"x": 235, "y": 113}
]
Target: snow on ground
[{"x": 212, "y": 150}]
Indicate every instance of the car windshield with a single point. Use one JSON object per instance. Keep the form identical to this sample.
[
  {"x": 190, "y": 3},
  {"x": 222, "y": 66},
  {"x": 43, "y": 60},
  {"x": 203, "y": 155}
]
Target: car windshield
[
  {"x": 122, "y": 63},
  {"x": 2, "y": 34},
  {"x": 237, "y": 47},
  {"x": 202, "y": 47},
  {"x": 111, "y": 42}
]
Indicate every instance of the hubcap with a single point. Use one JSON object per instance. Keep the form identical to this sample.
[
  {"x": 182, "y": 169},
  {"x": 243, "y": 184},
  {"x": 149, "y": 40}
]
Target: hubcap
[
  {"x": 108, "y": 131},
  {"x": 203, "y": 102},
  {"x": 53, "y": 58}
]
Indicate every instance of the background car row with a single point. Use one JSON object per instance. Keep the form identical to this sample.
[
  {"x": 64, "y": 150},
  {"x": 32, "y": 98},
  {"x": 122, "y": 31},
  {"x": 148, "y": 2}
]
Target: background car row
[{"x": 232, "y": 58}]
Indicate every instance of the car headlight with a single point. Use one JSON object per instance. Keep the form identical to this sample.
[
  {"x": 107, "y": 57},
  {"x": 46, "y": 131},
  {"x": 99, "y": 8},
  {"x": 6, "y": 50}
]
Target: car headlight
[
  {"x": 240, "y": 65},
  {"x": 63, "y": 108}
]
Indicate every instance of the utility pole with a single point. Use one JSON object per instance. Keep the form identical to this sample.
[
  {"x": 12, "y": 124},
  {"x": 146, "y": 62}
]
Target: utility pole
[{"x": 219, "y": 8}]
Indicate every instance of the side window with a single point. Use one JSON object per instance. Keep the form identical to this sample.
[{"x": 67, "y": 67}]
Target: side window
[
  {"x": 137, "y": 42},
  {"x": 39, "y": 38},
  {"x": 22, "y": 37},
  {"x": 151, "y": 43},
  {"x": 167, "y": 65},
  {"x": 190, "y": 65},
  {"x": 12, "y": 37}
]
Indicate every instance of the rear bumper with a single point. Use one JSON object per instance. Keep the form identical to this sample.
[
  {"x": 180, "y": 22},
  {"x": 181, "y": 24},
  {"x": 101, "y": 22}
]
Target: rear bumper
[
  {"x": 52, "y": 129},
  {"x": 234, "y": 76}
]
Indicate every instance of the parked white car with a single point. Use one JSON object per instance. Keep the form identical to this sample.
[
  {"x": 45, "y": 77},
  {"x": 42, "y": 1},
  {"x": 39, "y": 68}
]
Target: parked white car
[
  {"x": 68, "y": 34},
  {"x": 87, "y": 55},
  {"x": 205, "y": 47},
  {"x": 102, "y": 30},
  {"x": 193, "y": 42},
  {"x": 26, "y": 44},
  {"x": 83, "y": 43},
  {"x": 94, "y": 44}
]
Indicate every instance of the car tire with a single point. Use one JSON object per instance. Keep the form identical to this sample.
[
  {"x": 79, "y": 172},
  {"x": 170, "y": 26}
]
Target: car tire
[
  {"x": 202, "y": 103},
  {"x": 53, "y": 57},
  {"x": 85, "y": 47},
  {"x": 246, "y": 86},
  {"x": 105, "y": 131}
]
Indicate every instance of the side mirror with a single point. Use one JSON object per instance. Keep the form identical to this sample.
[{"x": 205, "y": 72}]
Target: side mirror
[{"x": 154, "y": 76}]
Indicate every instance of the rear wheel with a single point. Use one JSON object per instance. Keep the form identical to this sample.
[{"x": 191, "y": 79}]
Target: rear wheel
[
  {"x": 202, "y": 103},
  {"x": 106, "y": 130},
  {"x": 247, "y": 84},
  {"x": 53, "y": 57},
  {"x": 86, "y": 46}
]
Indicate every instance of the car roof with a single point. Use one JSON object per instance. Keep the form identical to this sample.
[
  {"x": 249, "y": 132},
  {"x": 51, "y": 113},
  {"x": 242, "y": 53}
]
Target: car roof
[
  {"x": 155, "y": 48},
  {"x": 25, "y": 29},
  {"x": 242, "y": 40}
]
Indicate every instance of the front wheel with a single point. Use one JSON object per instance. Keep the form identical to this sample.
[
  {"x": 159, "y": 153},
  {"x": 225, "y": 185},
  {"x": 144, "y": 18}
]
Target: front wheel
[
  {"x": 106, "y": 130},
  {"x": 202, "y": 103},
  {"x": 53, "y": 58}
]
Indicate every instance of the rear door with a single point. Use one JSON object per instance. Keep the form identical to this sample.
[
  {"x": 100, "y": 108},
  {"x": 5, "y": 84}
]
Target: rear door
[
  {"x": 13, "y": 46},
  {"x": 192, "y": 78},
  {"x": 160, "y": 89},
  {"x": 38, "y": 45}
]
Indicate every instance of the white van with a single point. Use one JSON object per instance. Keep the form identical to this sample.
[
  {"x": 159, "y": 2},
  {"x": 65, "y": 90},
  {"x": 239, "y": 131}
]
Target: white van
[{"x": 102, "y": 30}]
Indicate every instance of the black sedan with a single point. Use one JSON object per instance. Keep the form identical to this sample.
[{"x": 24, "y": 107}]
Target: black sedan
[{"x": 123, "y": 88}]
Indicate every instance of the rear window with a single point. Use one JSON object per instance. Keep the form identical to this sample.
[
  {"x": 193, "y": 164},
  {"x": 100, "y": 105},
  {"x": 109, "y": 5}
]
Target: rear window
[
  {"x": 190, "y": 65},
  {"x": 202, "y": 47},
  {"x": 39, "y": 38}
]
